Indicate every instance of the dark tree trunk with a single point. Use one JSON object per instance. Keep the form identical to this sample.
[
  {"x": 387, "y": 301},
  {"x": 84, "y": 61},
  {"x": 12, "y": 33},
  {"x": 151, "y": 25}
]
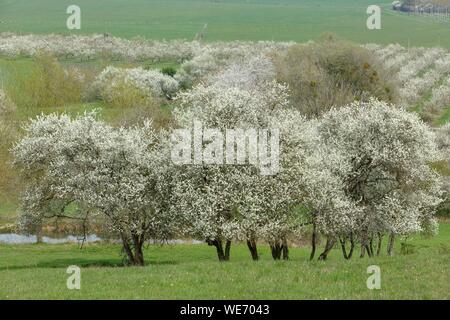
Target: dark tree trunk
[
  {"x": 352, "y": 246},
  {"x": 219, "y": 249},
  {"x": 138, "y": 253},
  {"x": 344, "y": 250},
  {"x": 276, "y": 248},
  {"x": 39, "y": 233},
  {"x": 133, "y": 249},
  {"x": 313, "y": 242},
  {"x": 368, "y": 249},
  {"x": 371, "y": 247},
  {"x": 251, "y": 244},
  {"x": 285, "y": 249},
  {"x": 391, "y": 242},
  {"x": 363, "y": 251},
  {"x": 364, "y": 244},
  {"x": 328, "y": 246},
  {"x": 380, "y": 241},
  {"x": 223, "y": 255},
  {"x": 127, "y": 249},
  {"x": 227, "y": 250}
]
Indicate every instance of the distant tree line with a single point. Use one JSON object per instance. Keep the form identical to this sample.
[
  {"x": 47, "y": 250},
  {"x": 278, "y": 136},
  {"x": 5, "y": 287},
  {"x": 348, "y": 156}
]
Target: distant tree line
[{"x": 433, "y": 7}]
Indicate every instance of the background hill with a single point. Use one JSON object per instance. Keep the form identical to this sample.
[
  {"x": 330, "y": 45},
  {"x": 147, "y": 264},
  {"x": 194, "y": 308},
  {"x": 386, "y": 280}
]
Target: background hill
[{"x": 280, "y": 20}]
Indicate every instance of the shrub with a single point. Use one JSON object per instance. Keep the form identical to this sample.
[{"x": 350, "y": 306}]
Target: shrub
[
  {"x": 48, "y": 84},
  {"x": 8, "y": 134},
  {"x": 124, "y": 95},
  {"x": 332, "y": 73},
  {"x": 148, "y": 83},
  {"x": 6, "y": 105},
  {"x": 169, "y": 71},
  {"x": 161, "y": 117}
]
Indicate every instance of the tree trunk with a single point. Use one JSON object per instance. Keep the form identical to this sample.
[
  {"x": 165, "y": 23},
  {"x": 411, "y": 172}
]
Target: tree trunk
[
  {"x": 221, "y": 254},
  {"x": 133, "y": 249},
  {"x": 276, "y": 248},
  {"x": 380, "y": 241},
  {"x": 364, "y": 244},
  {"x": 344, "y": 250},
  {"x": 227, "y": 250},
  {"x": 328, "y": 246},
  {"x": 391, "y": 242},
  {"x": 363, "y": 250},
  {"x": 219, "y": 249},
  {"x": 138, "y": 253},
  {"x": 285, "y": 249},
  {"x": 313, "y": 242},
  {"x": 127, "y": 249},
  {"x": 352, "y": 246},
  {"x": 39, "y": 233},
  {"x": 371, "y": 247},
  {"x": 369, "y": 252},
  {"x": 251, "y": 244}
]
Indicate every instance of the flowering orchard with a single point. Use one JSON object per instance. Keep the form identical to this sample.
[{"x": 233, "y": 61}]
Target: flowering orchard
[
  {"x": 422, "y": 75},
  {"x": 351, "y": 175},
  {"x": 361, "y": 172}
]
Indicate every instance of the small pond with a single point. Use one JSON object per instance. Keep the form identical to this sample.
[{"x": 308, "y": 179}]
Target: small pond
[{"x": 14, "y": 238}]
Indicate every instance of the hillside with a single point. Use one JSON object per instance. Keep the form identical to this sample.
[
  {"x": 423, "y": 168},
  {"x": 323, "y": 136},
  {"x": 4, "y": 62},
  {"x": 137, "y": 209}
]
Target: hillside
[{"x": 279, "y": 20}]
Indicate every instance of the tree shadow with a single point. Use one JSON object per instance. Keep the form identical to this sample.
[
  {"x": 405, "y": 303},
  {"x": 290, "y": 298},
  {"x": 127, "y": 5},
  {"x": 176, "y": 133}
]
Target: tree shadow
[{"x": 83, "y": 263}]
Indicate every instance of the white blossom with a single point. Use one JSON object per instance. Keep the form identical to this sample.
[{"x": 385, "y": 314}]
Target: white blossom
[
  {"x": 116, "y": 174},
  {"x": 149, "y": 82}
]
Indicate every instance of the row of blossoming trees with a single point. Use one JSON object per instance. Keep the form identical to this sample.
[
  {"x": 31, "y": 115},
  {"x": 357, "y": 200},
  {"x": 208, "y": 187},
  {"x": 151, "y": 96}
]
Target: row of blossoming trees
[
  {"x": 355, "y": 175},
  {"x": 349, "y": 175}
]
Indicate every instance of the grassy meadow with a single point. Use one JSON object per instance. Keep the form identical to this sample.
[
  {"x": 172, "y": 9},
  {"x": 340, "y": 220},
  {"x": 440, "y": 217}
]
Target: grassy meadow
[
  {"x": 420, "y": 268},
  {"x": 279, "y": 20},
  {"x": 193, "y": 272}
]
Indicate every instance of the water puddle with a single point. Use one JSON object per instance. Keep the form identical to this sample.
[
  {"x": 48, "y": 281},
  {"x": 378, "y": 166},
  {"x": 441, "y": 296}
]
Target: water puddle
[{"x": 14, "y": 238}]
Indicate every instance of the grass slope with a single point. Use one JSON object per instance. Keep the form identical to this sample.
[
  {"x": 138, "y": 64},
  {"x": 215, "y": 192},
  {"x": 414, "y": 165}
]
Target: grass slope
[
  {"x": 192, "y": 272},
  {"x": 298, "y": 20}
]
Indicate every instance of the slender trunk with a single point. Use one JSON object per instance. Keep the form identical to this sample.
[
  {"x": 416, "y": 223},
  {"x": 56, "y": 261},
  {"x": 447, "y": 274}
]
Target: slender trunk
[
  {"x": 219, "y": 249},
  {"x": 227, "y": 250},
  {"x": 39, "y": 233},
  {"x": 221, "y": 254},
  {"x": 391, "y": 244},
  {"x": 371, "y": 247},
  {"x": 344, "y": 250},
  {"x": 133, "y": 249},
  {"x": 313, "y": 242},
  {"x": 368, "y": 250},
  {"x": 285, "y": 249},
  {"x": 380, "y": 241},
  {"x": 138, "y": 253},
  {"x": 352, "y": 246},
  {"x": 127, "y": 249},
  {"x": 251, "y": 244},
  {"x": 39, "y": 237},
  {"x": 364, "y": 244},
  {"x": 328, "y": 246},
  {"x": 363, "y": 251},
  {"x": 276, "y": 249}
]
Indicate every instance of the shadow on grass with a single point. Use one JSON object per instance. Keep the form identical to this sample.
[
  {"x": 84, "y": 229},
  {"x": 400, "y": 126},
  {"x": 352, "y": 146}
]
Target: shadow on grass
[{"x": 83, "y": 263}]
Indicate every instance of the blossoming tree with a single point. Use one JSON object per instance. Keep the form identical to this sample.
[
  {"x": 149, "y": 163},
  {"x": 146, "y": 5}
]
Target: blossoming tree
[
  {"x": 116, "y": 174},
  {"x": 383, "y": 156}
]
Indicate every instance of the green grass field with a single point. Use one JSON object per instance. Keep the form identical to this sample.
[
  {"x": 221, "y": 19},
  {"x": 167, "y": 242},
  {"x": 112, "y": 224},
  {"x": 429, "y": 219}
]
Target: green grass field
[
  {"x": 192, "y": 272},
  {"x": 281, "y": 20}
]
